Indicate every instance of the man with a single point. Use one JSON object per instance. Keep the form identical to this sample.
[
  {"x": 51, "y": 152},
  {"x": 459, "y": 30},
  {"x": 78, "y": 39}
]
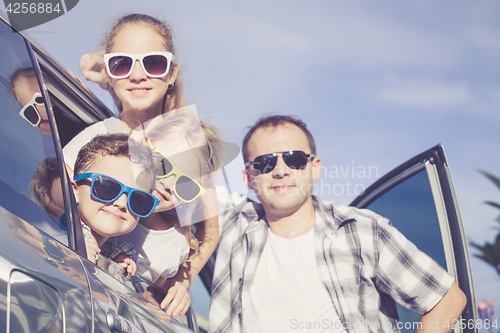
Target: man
[{"x": 295, "y": 263}]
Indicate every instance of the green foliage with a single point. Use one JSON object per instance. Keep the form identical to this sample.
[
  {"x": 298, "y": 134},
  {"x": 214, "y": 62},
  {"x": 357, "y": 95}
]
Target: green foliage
[{"x": 491, "y": 251}]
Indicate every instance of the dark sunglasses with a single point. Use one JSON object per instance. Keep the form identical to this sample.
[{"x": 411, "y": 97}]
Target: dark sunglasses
[
  {"x": 107, "y": 189},
  {"x": 295, "y": 159},
  {"x": 29, "y": 111},
  {"x": 155, "y": 64},
  {"x": 186, "y": 188}
]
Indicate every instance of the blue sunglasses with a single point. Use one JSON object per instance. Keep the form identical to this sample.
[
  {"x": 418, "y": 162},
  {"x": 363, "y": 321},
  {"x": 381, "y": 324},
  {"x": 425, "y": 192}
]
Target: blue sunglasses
[{"x": 107, "y": 189}]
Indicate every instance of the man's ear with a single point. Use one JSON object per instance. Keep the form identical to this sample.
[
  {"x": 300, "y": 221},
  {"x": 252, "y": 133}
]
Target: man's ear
[
  {"x": 316, "y": 167},
  {"x": 74, "y": 185},
  {"x": 246, "y": 178}
]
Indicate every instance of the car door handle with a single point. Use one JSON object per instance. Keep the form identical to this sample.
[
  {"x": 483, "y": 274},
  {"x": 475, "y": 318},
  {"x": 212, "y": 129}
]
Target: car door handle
[{"x": 118, "y": 324}]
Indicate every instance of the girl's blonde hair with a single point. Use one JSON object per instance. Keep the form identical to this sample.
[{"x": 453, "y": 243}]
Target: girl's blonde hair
[
  {"x": 207, "y": 144},
  {"x": 173, "y": 98}
]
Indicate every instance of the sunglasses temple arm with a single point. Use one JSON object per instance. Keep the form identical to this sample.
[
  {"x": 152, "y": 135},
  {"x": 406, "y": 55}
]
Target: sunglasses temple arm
[{"x": 227, "y": 186}]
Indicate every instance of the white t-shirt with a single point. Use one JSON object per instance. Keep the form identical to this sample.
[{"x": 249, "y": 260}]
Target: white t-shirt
[
  {"x": 286, "y": 294},
  {"x": 107, "y": 126},
  {"x": 159, "y": 252}
]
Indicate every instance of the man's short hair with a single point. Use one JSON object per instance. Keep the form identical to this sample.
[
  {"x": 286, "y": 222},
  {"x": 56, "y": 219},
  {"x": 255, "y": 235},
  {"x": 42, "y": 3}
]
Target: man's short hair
[{"x": 275, "y": 121}]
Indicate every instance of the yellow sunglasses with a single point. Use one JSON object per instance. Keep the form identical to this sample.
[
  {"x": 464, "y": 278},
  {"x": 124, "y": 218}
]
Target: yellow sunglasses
[{"x": 186, "y": 188}]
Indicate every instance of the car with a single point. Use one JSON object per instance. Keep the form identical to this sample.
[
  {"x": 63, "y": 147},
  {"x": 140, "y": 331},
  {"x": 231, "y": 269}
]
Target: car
[{"x": 47, "y": 284}]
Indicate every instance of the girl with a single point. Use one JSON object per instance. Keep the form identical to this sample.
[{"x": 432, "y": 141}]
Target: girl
[{"x": 140, "y": 70}]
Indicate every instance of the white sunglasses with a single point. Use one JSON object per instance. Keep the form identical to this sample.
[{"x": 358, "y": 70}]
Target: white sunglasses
[
  {"x": 29, "y": 111},
  {"x": 155, "y": 64}
]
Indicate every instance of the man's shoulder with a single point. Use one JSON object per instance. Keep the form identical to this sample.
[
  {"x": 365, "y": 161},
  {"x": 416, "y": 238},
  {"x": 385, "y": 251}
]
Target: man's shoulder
[
  {"x": 247, "y": 210},
  {"x": 339, "y": 214}
]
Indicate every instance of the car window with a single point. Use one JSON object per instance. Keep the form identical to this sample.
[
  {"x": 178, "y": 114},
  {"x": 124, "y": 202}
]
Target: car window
[
  {"x": 411, "y": 209},
  {"x": 30, "y": 183},
  {"x": 418, "y": 197}
]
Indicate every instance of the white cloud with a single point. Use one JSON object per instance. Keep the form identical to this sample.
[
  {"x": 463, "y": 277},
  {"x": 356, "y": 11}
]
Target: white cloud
[
  {"x": 485, "y": 39},
  {"x": 426, "y": 94}
]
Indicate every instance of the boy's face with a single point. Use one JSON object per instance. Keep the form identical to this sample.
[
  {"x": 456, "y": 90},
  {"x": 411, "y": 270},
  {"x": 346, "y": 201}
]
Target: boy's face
[{"x": 108, "y": 219}]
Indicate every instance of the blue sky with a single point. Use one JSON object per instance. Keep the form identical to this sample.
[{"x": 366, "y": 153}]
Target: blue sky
[{"x": 376, "y": 82}]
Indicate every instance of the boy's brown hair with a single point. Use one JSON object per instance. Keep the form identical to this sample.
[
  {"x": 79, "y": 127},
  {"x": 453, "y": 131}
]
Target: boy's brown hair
[{"x": 119, "y": 145}]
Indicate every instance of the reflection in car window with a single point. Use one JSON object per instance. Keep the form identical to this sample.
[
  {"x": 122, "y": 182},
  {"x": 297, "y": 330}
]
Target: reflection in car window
[
  {"x": 29, "y": 175},
  {"x": 27, "y": 316},
  {"x": 410, "y": 207}
]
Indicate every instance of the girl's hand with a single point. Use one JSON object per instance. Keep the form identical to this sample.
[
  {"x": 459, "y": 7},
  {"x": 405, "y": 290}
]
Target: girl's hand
[
  {"x": 178, "y": 298},
  {"x": 93, "y": 68},
  {"x": 165, "y": 197}
]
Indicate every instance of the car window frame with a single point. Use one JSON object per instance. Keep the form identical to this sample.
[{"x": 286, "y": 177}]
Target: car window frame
[{"x": 75, "y": 235}]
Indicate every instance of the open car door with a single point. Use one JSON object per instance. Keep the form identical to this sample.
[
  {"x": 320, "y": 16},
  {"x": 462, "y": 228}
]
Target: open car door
[{"x": 419, "y": 199}]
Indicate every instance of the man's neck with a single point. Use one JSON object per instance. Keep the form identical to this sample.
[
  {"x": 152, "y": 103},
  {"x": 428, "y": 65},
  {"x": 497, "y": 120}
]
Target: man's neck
[{"x": 295, "y": 224}]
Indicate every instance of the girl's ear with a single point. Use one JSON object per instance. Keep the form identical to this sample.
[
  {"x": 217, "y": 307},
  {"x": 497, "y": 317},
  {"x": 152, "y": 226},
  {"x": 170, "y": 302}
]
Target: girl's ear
[
  {"x": 174, "y": 70},
  {"x": 74, "y": 185}
]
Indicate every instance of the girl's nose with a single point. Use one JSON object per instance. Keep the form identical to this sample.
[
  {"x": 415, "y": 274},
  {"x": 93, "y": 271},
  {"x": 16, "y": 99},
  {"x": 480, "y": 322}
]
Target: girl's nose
[{"x": 138, "y": 73}]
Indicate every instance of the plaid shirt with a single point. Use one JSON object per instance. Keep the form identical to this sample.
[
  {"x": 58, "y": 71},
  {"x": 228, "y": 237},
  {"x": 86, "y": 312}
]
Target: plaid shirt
[{"x": 363, "y": 261}]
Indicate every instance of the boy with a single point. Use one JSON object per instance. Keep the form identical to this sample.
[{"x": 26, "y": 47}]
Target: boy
[{"x": 109, "y": 199}]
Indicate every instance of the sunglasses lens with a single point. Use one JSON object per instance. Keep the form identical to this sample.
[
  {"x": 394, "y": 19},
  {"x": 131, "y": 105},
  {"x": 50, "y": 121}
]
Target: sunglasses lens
[
  {"x": 163, "y": 167},
  {"x": 186, "y": 188},
  {"x": 141, "y": 203},
  {"x": 39, "y": 100},
  {"x": 120, "y": 65},
  {"x": 106, "y": 189},
  {"x": 155, "y": 64},
  {"x": 32, "y": 115},
  {"x": 295, "y": 159},
  {"x": 265, "y": 163}
]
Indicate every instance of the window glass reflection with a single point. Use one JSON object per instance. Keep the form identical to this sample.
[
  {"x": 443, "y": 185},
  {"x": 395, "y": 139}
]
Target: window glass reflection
[{"x": 28, "y": 169}]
